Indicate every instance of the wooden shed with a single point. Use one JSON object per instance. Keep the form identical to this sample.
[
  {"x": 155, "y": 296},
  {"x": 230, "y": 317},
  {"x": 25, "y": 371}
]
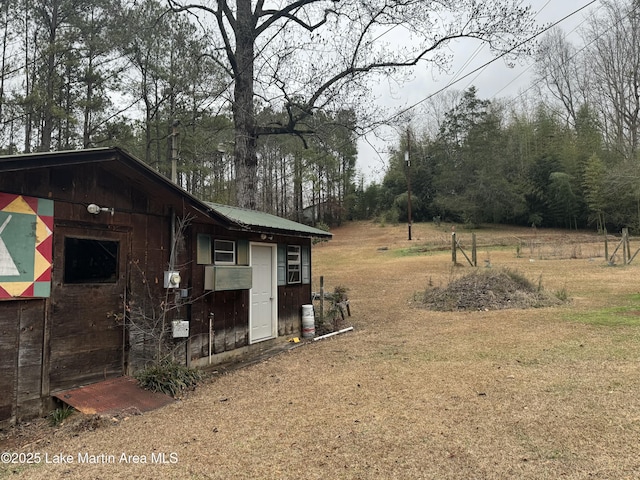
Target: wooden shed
[{"x": 95, "y": 246}]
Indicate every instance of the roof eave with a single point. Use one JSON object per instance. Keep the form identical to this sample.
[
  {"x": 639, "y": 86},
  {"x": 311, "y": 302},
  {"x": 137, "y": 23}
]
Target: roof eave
[{"x": 276, "y": 231}]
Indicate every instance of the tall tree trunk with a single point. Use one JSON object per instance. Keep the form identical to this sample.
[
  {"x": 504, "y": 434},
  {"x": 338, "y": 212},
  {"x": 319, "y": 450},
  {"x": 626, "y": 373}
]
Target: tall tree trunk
[
  {"x": 90, "y": 79},
  {"x": 5, "y": 38},
  {"x": 28, "y": 82},
  {"x": 47, "y": 111},
  {"x": 246, "y": 159},
  {"x": 297, "y": 187}
]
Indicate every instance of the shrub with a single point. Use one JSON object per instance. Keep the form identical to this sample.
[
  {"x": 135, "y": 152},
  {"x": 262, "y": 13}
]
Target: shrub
[
  {"x": 334, "y": 313},
  {"x": 322, "y": 226},
  {"x": 169, "y": 377},
  {"x": 391, "y": 216},
  {"x": 59, "y": 415}
]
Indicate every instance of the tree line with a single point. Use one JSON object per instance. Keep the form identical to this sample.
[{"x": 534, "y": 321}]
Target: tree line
[
  {"x": 152, "y": 75},
  {"x": 218, "y": 84},
  {"x": 564, "y": 154},
  {"x": 83, "y": 74}
]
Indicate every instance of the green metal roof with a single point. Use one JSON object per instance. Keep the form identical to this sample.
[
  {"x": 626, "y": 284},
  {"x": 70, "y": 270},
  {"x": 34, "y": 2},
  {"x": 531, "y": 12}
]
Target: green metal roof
[{"x": 265, "y": 222}]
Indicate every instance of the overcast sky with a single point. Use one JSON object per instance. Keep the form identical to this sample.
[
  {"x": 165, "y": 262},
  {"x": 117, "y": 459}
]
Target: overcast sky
[{"x": 494, "y": 81}]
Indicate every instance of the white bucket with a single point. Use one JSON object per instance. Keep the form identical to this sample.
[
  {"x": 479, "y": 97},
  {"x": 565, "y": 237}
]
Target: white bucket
[{"x": 308, "y": 322}]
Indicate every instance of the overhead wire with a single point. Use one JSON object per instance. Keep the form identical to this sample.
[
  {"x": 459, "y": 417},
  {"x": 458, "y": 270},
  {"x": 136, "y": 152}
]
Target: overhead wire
[
  {"x": 479, "y": 70},
  {"x": 530, "y": 66},
  {"x": 484, "y": 65}
]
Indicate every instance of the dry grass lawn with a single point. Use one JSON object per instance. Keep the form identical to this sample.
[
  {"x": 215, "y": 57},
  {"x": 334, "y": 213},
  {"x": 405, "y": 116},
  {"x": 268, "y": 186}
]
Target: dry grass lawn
[{"x": 412, "y": 393}]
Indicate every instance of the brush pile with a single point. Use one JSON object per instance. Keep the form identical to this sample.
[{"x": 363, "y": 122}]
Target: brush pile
[{"x": 488, "y": 290}]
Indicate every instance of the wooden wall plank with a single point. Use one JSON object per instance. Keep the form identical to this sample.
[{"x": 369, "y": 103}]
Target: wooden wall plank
[
  {"x": 9, "y": 340},
  {"x": 241, "y": 324},
  {"x": 80, "y": 368},
  {"x": 30, "y": 352}
]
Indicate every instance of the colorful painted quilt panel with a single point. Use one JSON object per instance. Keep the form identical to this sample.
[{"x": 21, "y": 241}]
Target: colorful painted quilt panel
[{"x": 26, "y": 244}]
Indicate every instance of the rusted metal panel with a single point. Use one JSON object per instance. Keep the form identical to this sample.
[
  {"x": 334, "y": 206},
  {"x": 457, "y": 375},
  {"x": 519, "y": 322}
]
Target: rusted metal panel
[{"x": 113, "y": 396}]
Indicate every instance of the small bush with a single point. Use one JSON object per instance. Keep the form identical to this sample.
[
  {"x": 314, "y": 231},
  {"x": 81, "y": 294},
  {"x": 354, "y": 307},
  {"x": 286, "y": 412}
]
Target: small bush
[
  {"x": 562, "y": 294},
  {"x": 334, "y": 313},
  {"x": 170, "y": 378},
  {"x": 324, "y": 227},
  {"x": 59, "y": 415},
  {"x": 391, "y": 216}
]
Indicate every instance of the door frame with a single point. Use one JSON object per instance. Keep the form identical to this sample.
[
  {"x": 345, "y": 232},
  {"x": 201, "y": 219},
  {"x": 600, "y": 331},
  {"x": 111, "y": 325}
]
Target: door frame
[{"x": 274, "y": 290}]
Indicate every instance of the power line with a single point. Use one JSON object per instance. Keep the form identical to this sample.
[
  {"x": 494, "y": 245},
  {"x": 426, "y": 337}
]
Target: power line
[
  {"x": 478, "y": 70},
  {"x": 529, "y": 67},
  {"x": 503, "y": 54}
]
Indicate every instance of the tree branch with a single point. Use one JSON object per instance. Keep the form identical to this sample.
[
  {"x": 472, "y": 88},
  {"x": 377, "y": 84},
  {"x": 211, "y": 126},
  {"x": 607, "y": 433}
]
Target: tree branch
[{"x": 287, "y": 12}]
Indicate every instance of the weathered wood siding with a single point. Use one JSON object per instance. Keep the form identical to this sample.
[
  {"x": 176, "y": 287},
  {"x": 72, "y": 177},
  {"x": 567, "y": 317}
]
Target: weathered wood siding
[
  {"x": 229, "y": 310},
  {"x": 21, "y": 340},
  {"x": 290, "y": 301},
  {"x": 76, "y": 328},
  {"x": 292, "y": 297},
  {"x": 77, "y": 336},
  {"x": 86, "y": 338}
]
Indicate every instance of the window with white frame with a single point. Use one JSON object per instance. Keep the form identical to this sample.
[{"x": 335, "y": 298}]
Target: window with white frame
[
  {"x": 224, "y": 252},
  {"x": 293, "y": 264}
]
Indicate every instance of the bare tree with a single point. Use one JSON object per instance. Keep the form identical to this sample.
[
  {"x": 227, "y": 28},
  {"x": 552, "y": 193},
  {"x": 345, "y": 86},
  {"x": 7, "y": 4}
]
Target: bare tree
[
  {"x": 435, "y": 108},
  {"x": 558, "y": 66},
  {"x": 310, "y": 55},
  {"x": 613, "y": 40}
]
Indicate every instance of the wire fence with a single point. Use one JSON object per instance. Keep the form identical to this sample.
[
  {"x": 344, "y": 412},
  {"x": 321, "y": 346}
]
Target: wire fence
[{"x": 612, "y": 248}]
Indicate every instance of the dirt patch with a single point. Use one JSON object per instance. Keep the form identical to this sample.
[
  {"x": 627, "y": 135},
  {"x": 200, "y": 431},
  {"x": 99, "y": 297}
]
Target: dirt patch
[
  {"x": 40, "y": 432},
  {"x": 488, "y": 290}
]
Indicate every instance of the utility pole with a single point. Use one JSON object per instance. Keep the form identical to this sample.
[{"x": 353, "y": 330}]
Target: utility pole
[{"x": 407, "y": 158}]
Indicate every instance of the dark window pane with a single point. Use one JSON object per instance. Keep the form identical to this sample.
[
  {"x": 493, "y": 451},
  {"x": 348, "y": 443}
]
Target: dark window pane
[{"x": 90, "y": 261}]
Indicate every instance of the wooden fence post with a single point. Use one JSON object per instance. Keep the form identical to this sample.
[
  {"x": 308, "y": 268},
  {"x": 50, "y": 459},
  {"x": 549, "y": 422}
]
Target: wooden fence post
[
  {"x": 453, "y": 247},
  {"x": 474, "y": 256},
  {"x": 321, "y": 299},
  {"x": 606, "y": 246},
  {"x": 629, "y": 256},
  {"x": 625, "y": 246}
]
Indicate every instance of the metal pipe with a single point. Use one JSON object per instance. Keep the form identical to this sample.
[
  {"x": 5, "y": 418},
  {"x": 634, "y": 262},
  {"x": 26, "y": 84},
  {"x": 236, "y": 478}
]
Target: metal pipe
[
  {"x": 210, "y": 337},
  {"x": 348, "y": 329}
]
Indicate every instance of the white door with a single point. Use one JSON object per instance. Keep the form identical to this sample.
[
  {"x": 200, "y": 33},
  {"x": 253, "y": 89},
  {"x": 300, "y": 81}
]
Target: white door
[{"x": 262, "y": 316}]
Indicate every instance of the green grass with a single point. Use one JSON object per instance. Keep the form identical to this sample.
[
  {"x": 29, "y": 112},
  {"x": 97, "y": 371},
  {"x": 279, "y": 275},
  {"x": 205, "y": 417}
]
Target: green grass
[
  {"x": 415, "y": 251},
  {"x": 438, "y": 248},
  {"x": 59, "y": 415},
  {"x": 626, "y": 315}
]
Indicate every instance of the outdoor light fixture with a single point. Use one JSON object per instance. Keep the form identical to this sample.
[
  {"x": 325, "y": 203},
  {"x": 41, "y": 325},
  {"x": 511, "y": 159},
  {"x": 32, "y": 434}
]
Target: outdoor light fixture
[{"x": 94, "y": 209}]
